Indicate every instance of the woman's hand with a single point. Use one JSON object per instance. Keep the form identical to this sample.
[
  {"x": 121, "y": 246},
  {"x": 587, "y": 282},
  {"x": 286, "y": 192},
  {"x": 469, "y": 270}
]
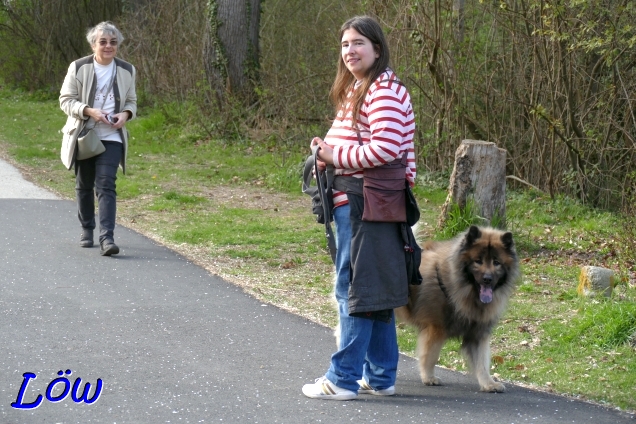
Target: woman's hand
[
  {"x": 120, "y": 119},
  {"x": 98, "y": 115},
  {"x": 325, "y": 154}
]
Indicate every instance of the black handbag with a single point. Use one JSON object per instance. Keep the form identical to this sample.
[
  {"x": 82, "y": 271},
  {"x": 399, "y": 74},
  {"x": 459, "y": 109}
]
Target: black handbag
[
  {"x": 412, "y": 255},
  {"x": 412, "y": 209}
]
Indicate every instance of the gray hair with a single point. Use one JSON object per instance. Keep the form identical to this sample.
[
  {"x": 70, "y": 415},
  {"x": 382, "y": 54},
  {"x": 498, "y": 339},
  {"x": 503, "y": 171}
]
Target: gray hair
[{"x": 104, "y": 28}]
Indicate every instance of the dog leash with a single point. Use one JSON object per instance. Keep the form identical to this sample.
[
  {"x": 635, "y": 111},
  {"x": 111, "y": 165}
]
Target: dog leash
[{"x": 324, "y": 190}]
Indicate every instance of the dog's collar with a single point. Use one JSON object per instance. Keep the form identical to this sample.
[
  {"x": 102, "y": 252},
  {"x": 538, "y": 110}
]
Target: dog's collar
[{"x": 439, "y": 281}]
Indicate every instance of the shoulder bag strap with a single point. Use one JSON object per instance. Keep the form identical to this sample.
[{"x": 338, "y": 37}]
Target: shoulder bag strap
[{"x": 403, "y": 160}]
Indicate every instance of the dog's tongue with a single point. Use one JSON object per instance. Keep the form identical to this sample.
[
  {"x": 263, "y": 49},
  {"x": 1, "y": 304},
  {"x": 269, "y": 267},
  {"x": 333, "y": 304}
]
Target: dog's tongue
[{"x": 485, "y": 294}]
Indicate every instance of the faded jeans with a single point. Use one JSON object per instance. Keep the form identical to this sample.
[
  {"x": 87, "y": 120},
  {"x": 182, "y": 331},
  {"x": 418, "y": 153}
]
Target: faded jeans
[{"x": 368, "y": 348}]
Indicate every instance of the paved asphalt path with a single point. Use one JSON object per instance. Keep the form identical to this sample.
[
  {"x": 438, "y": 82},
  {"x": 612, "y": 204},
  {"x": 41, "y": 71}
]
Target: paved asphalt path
[{"x": 174, "y": 344}]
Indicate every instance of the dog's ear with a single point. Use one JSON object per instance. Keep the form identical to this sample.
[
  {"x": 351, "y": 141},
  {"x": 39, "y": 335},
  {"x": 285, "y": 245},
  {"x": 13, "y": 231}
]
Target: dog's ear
[
  {"x": 506, "y": 239},
  {"x": 473, "y": 234}
]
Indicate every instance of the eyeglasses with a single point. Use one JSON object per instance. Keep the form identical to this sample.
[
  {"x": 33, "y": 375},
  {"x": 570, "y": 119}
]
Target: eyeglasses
[{"x": 113, "y": 42}]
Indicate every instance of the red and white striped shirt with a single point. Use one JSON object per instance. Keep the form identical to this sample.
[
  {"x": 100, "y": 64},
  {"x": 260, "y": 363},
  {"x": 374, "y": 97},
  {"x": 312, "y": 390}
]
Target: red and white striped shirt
[{"x": 386, "y": 125}]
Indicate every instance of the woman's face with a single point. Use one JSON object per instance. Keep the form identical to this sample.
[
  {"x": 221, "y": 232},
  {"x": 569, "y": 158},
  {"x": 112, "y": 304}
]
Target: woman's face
[
  {"x": 357, "y": 53},
  {"x": 105, "y": 48}
]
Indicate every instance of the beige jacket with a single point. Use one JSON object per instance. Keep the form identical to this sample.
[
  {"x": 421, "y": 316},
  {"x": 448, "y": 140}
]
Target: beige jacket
[{"x": 78, "y": 92}]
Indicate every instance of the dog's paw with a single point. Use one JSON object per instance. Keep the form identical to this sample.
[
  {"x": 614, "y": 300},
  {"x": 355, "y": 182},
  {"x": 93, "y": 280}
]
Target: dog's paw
[
  {"x": 432, "y": 381},
  {"x": 493, "y": 387}
]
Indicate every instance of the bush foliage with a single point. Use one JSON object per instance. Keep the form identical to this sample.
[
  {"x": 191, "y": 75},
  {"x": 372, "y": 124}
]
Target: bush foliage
[{"x": 552, "y": 82}]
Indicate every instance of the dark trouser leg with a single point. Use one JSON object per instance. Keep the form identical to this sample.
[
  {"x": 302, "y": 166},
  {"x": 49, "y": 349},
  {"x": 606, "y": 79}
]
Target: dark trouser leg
[
  {"x": 100, "y": 173},
  {"x": 106, "y": 166},
  {"x": 84, "y": 192}
]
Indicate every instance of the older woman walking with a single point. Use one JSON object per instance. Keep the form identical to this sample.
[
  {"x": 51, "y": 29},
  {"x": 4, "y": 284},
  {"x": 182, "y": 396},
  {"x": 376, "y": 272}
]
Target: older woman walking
[{"x": 98, "y": 94}]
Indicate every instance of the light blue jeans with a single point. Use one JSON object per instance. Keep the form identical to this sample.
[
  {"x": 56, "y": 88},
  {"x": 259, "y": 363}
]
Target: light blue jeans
[{"x": 368, "y": 348}]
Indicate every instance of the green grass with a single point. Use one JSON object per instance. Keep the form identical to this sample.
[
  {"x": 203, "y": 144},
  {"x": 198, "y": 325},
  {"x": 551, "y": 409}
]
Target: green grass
[
  {"x": 606, "y": 325},
  {"x": 235, "y": 206}
]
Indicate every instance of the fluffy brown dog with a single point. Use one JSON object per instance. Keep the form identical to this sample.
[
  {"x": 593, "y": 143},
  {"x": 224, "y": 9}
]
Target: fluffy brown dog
[{"x": 466, "y": 285}]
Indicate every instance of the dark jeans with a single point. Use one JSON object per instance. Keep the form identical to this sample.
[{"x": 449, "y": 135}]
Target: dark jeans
[{"x": 97, "y": 175}]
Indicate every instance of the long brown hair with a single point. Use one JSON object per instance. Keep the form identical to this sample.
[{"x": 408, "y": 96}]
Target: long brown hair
[{"x": 368, "y": 27}]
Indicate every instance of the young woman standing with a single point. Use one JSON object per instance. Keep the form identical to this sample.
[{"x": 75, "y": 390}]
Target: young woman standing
[{"x": 374, "y": 126}]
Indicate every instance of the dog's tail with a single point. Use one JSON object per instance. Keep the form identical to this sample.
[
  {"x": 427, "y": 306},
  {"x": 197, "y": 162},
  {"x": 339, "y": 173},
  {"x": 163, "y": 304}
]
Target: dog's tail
[
  {"x": 429, "y": 245},
  {"x": 404, "y": 314}
]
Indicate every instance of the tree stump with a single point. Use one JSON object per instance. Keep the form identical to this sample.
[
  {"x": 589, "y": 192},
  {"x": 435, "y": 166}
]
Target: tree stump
[
  {"x": 479, "y": 174},
  {"x": 594, "y": 279}
]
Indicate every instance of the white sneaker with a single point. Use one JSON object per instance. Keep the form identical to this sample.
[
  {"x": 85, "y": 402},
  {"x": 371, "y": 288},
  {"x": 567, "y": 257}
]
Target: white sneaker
[
  {"x": 325, "y": 389},
  {"x": 365, "y": 389}
]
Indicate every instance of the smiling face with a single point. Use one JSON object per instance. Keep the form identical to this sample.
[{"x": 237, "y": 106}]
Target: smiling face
[
  {"x": 105, "y": 48},
  {"x": 358, "y": 53}
]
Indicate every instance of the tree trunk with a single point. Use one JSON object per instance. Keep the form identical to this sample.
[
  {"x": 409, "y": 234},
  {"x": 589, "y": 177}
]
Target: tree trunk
[
  {"x": 479, "y": 175},
  {"x": 458, "y": 14},
  {"x": 232, "y": 47}
]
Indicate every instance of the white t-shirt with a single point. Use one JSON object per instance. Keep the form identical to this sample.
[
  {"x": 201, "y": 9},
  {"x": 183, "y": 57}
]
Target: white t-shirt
[{"x": 104, "y": 74}]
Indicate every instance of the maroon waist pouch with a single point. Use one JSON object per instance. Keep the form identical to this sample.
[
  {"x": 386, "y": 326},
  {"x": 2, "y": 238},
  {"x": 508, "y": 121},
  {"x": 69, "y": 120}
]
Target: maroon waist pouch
[{"x": 384, "y": 192}]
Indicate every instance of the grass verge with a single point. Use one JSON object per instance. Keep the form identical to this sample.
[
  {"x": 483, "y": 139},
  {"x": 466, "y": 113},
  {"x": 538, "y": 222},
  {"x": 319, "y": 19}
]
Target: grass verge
[{"x": 235, "y": 208}]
